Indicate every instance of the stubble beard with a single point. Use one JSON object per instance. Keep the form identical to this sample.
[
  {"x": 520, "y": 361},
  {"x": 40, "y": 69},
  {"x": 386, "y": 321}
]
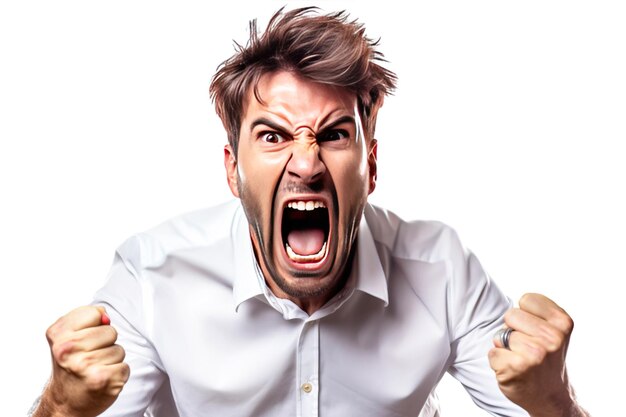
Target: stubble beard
[{"x": 264, "y": 253}]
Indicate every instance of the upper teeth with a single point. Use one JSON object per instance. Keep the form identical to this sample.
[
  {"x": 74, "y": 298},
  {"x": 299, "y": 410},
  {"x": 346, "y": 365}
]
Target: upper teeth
[{"x": 305, "y": 205}]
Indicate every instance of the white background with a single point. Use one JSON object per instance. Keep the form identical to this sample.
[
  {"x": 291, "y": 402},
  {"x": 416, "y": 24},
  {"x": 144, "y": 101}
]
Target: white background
[{"x": 508, "y": 124}]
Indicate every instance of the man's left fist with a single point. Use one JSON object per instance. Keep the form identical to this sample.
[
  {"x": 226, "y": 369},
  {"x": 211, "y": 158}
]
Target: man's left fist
[{"x": 532, "y": 373}]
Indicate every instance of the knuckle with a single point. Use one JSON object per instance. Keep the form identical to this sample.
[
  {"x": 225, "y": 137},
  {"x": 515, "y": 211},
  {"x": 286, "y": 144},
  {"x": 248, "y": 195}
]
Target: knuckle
[
  {"x": 113, "y": 333},
  {"x": 552, "y": 338},
  {"x": 122, "y": 376},
  {"x": 554, "y": 342},
  {"x": 504, "y": 376},
  {"x": 524, "y": 299},
  {"x": 536, "y": 355},
  {"x": 97, "y": 379},
  {"x": 518, "y": 365},
  {"x": 51, "y": 334},
  {"x": 116, "y": 389},
  {"x": 121, "y": 352},
  {"x": 125, "y": 372},
  {"x": 105, "y": 333},
  {"x": 501, "y": 377},
  {"x": 493, "y": 359},
  {"x": 81, "y": 364},
  {"x": 62, "y": 351},
  {"x": 55, "y": 331},
  {"x": 118, "y": 380},
  {"x": 108, "y": 333},
  {"x": 509, "y": 313},
  {"x": 564, "y": 322}
]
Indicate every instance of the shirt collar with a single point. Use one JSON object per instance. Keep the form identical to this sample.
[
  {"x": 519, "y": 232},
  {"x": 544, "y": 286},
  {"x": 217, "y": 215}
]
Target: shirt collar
[
  {"x": 248, "y": 281},
  {"x": 370, "y": 277}
]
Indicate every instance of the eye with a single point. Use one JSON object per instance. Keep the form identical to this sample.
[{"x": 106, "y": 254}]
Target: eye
[
  {"x": 272, "y": 137},
  {"x": 333, "y": 135}
]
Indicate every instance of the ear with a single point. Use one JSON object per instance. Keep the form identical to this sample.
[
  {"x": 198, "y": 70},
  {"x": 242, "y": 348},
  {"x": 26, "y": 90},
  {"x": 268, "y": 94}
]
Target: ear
[
  {"x": 230, "y": 164},
  {"x": 372, "y": 163}
]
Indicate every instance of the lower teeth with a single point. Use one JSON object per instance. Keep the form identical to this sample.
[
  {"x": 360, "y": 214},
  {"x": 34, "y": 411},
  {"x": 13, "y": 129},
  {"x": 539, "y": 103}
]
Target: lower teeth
[{"x": 305, "y": 258}]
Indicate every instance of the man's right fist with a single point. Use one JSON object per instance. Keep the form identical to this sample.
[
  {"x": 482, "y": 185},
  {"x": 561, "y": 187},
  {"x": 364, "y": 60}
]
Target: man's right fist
[{"x": 88, "y": 371}]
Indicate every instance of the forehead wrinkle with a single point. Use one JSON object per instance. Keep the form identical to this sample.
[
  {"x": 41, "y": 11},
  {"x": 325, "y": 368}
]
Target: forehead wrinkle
[
  {"x": 300, "y": 104},
  {"x": 265, "y": 114}
]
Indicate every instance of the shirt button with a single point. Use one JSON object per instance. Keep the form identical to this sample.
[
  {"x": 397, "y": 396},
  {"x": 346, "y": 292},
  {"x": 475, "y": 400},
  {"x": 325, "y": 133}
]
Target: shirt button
[{"x": 307, "y": 387}]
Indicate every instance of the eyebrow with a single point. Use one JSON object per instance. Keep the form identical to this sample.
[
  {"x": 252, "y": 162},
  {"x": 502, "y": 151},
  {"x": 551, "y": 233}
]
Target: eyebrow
[
  {"x": 262, "y": 121},
  {"x": 340, "y": 121}
]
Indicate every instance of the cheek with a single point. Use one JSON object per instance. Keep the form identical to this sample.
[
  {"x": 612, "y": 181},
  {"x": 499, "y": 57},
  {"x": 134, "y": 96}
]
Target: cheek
[
  {"x": 259, "y": 173},
  {"x": 350, "y": 176}
]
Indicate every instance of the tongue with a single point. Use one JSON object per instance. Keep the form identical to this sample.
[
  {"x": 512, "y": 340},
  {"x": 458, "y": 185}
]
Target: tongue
[{"x": 306, "y": 241}]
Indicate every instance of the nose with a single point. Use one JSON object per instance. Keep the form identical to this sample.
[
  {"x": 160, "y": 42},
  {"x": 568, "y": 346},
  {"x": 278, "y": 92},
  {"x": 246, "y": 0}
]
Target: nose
[{"x": 305, "y": 162}]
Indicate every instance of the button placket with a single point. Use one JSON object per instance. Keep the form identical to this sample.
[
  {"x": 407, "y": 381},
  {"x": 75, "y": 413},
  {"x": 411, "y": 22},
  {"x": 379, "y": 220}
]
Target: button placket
[{"x": 308, "y": 370}]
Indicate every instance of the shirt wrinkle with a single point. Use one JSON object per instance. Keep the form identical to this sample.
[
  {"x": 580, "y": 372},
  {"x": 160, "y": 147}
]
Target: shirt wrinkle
[{"x": 195, "y": 321}]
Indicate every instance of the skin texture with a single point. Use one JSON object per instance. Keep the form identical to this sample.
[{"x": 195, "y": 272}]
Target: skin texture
[
  {"x": 303, "y": 142},
  {"x": 88, "y": 371},
  {"x": 532, "y": 373}
]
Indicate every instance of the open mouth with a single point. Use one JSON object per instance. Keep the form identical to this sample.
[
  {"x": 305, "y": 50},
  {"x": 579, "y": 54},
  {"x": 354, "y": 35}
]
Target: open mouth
[{"x": 305, "y": 229}]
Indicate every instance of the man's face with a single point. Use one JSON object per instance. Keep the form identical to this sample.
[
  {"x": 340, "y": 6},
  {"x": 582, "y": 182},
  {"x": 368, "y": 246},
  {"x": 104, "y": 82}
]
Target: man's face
[{"x": 303, "y": 171}]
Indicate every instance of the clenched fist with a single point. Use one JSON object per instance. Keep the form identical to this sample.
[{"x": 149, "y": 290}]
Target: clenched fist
[
  {"x": 88, "y": 371},
  {"x": 531, "y": 372}
]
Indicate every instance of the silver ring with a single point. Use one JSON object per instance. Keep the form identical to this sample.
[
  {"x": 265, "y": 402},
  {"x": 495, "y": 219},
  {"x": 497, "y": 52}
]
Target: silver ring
[{"x": 505, "y": 335}]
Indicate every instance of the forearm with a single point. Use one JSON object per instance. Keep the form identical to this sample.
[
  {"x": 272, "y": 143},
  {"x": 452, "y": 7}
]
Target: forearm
[
  {"x": 568, "y": 408},
  {"x": 574, "y": 411},
  {"x": 44, "y": 407},
  {"x": 578, "y": 411}
]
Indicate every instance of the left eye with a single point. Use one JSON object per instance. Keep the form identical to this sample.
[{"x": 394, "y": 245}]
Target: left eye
[{"x": 332, "y": 135}]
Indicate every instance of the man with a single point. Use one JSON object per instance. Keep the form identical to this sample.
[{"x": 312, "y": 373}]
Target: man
[{"x": 300, "y": 297}]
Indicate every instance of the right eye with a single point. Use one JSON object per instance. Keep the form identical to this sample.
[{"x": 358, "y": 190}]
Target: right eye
[{"x": 272, "y": 137}]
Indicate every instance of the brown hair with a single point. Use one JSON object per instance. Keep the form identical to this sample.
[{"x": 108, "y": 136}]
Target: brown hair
[{"x": 326, "y": 49}]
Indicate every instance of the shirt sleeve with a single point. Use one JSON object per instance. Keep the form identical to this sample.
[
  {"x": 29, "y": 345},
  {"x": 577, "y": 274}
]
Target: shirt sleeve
[
  {"x": 122, "y": 296},
  {"x": 477, "y": 307}
]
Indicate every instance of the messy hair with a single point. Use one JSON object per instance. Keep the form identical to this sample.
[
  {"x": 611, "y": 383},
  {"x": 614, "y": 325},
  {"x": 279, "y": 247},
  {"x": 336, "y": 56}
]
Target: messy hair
[{"x": 327, "y": 49}]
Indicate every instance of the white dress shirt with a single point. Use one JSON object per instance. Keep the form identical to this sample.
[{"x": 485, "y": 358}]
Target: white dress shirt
[{"x": 204, "y": 335}]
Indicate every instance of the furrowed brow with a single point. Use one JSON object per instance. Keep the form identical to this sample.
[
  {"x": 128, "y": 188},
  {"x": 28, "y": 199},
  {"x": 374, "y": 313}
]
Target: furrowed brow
[
  {"x": 262, "y": 121},
  {"x": 340, "y": 121}
]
